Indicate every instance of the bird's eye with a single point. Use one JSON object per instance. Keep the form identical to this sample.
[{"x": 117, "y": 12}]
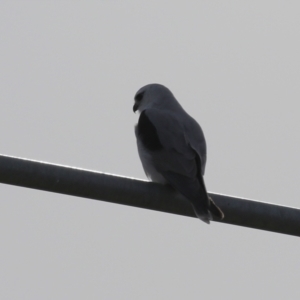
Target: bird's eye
[{"x": 139, "y": 97}]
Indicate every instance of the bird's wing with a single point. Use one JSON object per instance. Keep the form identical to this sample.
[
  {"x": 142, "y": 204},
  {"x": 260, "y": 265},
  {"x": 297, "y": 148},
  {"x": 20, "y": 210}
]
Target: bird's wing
[
  {"x": 196, "y": 140},
  {"x": 177, "y": 160},
  {"x": 182, "y": 140}
]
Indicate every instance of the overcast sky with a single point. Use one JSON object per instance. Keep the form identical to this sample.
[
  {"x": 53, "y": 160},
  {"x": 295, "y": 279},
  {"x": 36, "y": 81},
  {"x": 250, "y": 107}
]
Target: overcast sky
[{"x": 68, "y": 74}]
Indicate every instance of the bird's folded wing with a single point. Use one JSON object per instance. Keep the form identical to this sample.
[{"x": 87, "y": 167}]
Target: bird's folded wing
[
  {"x": 180, "y": 136},
  {"x": 178, "y": 161},
  {"x": 176, "y": 154}
]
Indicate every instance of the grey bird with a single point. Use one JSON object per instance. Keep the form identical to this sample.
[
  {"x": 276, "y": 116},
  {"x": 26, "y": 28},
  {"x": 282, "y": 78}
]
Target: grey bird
[{"x": 172, "y": 148}]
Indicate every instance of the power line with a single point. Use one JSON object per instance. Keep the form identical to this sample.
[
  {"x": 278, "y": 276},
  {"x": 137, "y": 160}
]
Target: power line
[{"x": 133, "y": 192}]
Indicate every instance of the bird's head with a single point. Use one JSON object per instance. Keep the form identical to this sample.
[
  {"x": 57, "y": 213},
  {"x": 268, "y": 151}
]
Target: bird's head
[{"x": 153, "y": 96}]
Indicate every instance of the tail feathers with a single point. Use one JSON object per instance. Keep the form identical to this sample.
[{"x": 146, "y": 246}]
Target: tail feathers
[
  {"x": 208, "y": 212},
  {"x": 216, "y": 212},
  {"x": 205, "y": 218},
  {"x": 202, "y": 212}
]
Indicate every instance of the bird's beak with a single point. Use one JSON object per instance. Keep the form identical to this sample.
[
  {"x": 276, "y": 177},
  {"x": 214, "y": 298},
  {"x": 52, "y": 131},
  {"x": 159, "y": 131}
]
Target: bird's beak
[{"x": 135, "y": 107}]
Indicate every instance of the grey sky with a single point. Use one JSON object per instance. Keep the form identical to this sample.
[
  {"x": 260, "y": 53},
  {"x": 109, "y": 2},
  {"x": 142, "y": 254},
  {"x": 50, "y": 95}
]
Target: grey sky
[{"x": 68, "y": 73}]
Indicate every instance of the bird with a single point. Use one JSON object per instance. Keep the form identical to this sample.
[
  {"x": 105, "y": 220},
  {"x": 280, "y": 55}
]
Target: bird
[{"x": 172, "y": 148}]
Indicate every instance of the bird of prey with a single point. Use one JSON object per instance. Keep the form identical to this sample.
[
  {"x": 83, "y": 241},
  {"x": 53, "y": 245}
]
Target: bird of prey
[{"x": 172, "y": 148}]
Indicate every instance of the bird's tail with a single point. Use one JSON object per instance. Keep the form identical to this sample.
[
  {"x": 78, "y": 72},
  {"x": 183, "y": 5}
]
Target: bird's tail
[
  {"x": 208, "y": 212},
  {"x": 215, "y": 210}
]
